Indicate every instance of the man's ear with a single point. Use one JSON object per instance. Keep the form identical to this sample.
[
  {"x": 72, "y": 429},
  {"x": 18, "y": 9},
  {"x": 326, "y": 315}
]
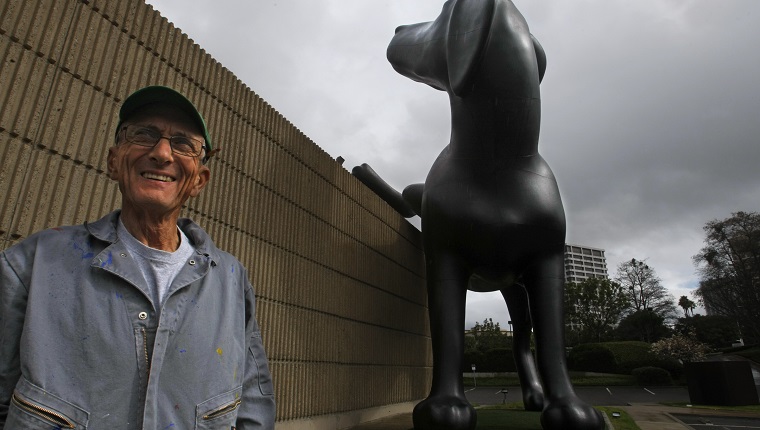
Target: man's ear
[
  {"x": 111, "y": 164},
  {"x": 201, "y": 180}
]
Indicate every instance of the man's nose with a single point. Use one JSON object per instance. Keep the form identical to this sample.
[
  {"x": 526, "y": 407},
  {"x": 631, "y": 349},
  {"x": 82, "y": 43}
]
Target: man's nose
[{"x": 162, "y": 150}]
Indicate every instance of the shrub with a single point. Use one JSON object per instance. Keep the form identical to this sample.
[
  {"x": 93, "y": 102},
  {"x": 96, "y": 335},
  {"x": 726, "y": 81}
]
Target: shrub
[
  {"x": 470, "y": 358},
  {"x": 592, "y": 357},
  {"x": 619, "y": 357},
  {"x": 650, "y": 375},
  {"x": 492, "y": 360},
  {"x": 632, "y": 354},
  {"x": 675, "y": 367},
  {"x": 498, "y": 360},
  {"x": 680, "y": 347}
]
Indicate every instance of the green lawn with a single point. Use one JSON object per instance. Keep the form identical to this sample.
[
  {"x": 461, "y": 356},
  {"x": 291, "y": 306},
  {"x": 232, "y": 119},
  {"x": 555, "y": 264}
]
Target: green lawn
[
  {"x": 622, "y": 422},
  {"x": 512, "y": 417}
]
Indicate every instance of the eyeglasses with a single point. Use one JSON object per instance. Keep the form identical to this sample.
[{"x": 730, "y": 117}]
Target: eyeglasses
[{"x": 149, "y": 137}]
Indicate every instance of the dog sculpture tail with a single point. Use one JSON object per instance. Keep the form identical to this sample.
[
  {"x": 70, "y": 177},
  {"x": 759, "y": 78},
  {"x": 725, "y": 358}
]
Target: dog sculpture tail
[{"x": 407, "y": 204}]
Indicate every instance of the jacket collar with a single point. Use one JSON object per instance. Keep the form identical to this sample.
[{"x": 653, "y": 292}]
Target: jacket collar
[{"x": 105, "y": 229}]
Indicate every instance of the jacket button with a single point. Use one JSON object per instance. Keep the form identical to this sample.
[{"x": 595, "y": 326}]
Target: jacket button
[
  {"x": 142, "y": 315},
  {"x": 192, "y": 262}
]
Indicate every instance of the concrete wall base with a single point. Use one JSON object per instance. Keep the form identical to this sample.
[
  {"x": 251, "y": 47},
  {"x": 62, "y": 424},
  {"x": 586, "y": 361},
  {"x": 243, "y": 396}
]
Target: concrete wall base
[{"x": 347, "y": 419}]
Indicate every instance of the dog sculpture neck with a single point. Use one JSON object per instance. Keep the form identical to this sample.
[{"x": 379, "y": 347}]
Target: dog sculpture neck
[{"x": 488, "y": 127}]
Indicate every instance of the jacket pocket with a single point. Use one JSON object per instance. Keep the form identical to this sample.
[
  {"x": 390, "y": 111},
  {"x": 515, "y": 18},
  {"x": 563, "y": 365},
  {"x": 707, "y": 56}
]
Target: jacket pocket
[
  {"x": 218, "y": 412},
  {"x": 33, "y": 408}
]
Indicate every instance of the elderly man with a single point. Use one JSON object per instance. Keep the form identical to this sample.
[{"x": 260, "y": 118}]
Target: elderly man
[{"x": 134, "y": 321}]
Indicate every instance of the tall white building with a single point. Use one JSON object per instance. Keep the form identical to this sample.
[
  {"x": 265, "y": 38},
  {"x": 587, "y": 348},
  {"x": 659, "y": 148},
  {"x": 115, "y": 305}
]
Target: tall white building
[{"x": 583, "y": 262}]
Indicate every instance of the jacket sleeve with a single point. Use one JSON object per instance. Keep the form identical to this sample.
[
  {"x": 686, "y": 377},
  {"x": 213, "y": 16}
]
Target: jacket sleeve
[
  {"x": 257, "y": 410},
  {"x": 13, "y": 297}
]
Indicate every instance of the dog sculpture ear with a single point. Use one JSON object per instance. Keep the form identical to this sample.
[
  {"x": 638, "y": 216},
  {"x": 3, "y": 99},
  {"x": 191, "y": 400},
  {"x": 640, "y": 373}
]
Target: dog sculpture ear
[
  {"x": 540, "y": 58},
  {"x": 468, "y": 30}
]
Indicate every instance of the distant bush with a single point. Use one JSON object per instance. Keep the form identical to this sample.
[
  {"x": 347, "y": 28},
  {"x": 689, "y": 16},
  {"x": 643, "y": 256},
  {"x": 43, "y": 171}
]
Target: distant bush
[
  {"x": 470, "y": 358},
  {"x": 592, "y": 357},
  {"x": 650, "y": 375},
  {"x": 632, "y": 354},
  {"x": 492, "y": 360},
  {"x": 674, "y": 367},
  {"x": 619, "y": 357},
  {"x": 681, "y": 347},
  {"x": 499, "y": 360}
]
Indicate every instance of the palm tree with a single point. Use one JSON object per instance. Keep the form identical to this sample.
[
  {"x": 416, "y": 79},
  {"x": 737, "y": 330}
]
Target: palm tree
[{"x": 687, "y": 305}]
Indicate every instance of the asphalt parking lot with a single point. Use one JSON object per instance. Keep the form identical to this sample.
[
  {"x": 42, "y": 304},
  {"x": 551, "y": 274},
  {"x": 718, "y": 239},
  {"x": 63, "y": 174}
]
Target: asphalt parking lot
[{"x": 596, "y": 396}]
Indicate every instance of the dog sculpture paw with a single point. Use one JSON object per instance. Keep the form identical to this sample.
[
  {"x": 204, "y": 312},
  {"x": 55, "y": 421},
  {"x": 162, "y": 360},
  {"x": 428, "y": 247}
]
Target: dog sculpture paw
[
  {"x": 571, "y": 413},
  {"x": 444, "y": 413},
  {"x": 533, "y": 399}
]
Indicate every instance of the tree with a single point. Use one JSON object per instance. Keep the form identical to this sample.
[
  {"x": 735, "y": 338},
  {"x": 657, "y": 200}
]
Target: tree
[
  {"x": 644, "y": 325},
  {"x": 729, "y": 270},
  {"x": 687, "y": 305},
  {"x": 644, "y": 289},
  {"x": 593, "y": 308},
  {"x": 487, "y": 347},
  {"x": 717, "y": 331},
  {"x": 487, "y": 336}
]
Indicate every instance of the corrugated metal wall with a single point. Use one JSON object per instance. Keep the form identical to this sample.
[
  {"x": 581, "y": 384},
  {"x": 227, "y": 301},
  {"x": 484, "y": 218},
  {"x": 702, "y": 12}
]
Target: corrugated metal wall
[{"x": 338, "y": 274}]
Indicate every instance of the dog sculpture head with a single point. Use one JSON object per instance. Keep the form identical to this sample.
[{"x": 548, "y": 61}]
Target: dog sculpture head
[{"x": 484, "y": 38}]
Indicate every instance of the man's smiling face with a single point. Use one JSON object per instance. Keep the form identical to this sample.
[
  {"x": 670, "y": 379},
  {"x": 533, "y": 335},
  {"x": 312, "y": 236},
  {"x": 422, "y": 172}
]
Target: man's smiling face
[{"x": 155, "y": 182}]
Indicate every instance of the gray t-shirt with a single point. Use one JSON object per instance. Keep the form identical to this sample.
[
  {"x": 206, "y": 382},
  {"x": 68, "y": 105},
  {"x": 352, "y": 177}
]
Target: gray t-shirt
[{"x": 159, "y": 268}]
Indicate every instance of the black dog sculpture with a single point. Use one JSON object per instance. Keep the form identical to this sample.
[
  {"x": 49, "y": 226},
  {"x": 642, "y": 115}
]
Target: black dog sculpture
[{"x": 492, "y": 217}]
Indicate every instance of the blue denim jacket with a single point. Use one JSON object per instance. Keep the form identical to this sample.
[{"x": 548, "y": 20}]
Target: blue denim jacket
[{"x": 82, "y": 347}]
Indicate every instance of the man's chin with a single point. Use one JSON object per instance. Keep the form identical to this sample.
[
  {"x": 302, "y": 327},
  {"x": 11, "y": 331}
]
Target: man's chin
[{"x": 149, "y": 207}]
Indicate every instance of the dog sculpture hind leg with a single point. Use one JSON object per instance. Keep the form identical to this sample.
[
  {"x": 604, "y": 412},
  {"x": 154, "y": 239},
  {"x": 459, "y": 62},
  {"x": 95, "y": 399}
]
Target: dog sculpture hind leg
[{"x": 492, "y": 216}]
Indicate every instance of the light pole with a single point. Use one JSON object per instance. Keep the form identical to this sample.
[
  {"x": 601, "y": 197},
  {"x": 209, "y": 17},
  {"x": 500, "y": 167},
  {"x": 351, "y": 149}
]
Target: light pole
[{"x": 475, "y": 383}]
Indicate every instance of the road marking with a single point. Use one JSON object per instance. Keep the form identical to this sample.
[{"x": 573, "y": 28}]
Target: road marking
[
  {"x": 649, "y": 392},
  {"x": 608, "y": 390}
]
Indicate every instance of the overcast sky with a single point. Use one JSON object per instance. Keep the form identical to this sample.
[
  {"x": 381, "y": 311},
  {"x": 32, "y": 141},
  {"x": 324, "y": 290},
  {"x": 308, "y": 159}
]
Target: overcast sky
[{"x": 650, "y": 108}]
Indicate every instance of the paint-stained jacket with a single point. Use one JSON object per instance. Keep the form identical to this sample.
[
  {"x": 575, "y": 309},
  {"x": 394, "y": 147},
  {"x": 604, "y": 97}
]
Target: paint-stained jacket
[{"x": 81, "y": 345}]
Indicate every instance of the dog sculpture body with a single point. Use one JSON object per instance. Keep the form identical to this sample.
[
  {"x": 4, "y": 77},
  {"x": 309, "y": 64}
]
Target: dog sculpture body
[{"x": 492, "y": 217}]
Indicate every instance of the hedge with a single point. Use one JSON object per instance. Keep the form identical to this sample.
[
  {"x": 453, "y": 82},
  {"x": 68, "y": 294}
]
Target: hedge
[
  {"x": 619, "y": 357},
  {"x": 492, "y": 360}
]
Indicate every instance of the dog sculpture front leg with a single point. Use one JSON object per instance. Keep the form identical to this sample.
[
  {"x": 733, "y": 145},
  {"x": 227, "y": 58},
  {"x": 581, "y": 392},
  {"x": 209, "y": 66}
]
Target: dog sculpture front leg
[
  {"x": 544, "y": 282},
  {"x": 446, "y": 407}
]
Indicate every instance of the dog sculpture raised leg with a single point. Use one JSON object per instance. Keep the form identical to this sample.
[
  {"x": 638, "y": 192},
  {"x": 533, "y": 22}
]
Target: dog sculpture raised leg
[{"x": 492, "y": 217}]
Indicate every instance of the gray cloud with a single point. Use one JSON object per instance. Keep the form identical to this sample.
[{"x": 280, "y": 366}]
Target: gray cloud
[{"x": 650, "y": 121}]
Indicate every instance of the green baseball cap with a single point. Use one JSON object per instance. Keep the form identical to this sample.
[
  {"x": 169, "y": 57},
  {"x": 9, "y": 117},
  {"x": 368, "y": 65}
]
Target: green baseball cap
[{"x": 155, "y": 94}]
